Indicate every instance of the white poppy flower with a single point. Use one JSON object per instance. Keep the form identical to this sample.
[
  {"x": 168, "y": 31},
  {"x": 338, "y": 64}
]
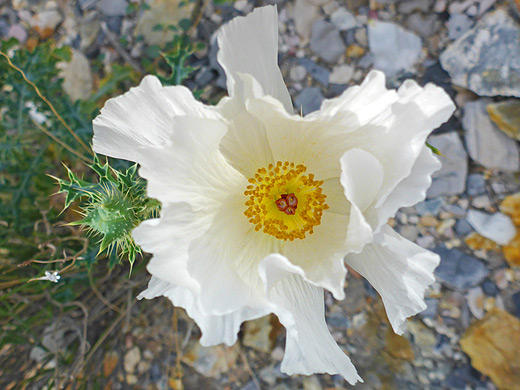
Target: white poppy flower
[{"x": 261, "y": 208}]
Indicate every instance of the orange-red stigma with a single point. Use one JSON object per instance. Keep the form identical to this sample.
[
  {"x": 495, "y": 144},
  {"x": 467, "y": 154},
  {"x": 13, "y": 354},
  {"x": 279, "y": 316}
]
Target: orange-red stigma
[{"x": 287, "y": 203}]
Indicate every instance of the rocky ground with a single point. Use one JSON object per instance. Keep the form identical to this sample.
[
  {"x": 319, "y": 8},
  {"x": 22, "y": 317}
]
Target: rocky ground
[{"x": 469, "y": 336}]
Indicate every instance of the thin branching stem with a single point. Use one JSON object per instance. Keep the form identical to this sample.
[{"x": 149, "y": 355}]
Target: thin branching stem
[
  {"x": 60, "y": 142},
  {"x": 60, "y": 118},
  {"x": 100, "y": 296}
]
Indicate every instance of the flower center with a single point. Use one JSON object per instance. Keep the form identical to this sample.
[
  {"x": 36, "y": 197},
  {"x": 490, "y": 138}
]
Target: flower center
[{"x": 284, "y": 202}]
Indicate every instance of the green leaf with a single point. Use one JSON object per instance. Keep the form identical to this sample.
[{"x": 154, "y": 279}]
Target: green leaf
[
  {"x": 185, "y": 24},
  {"x": 158, "y": 27},
  {"x": 435, "y": 150}
]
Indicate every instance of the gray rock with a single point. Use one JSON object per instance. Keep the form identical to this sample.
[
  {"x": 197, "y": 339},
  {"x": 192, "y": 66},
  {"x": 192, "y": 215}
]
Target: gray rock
[
  {"x": 18, "y": 32},
  {"x": 426, "y": 242},
  {"x": 338, "y": 320},
  {"x": 456, "y": 211},
  {"x": 459, "y": 270},
  {"x": 4, "y": 28},
  {"x": 318, "y": 73},
  {"x": 308, "y": 100},
  {"x": 424, "y": 25},
  {"x": 304, "y": 15},
  {"x": 486, "y": 59},
  {"x": 366, "y": 61},
  {"x": 463, "y": 377},
  {"x": 361, "y": 36},
  {"x": 250, "y": 386},
  {"x": 451, "y": 178},
  {"x": 112, "y": 7},
  {"x": 77, "y": 77},
  {"x": 458, "y": 24},
  {"x": 89, "y": 28},
  {"x": 326, "y": 41},
  {"x": 430, "y": 206},
  {"x": 475, "y": 300},
  {"x": 297, "y": 73},
  {"x": 341, "y": 74},
  {"x": 431, "y": 308},
  {"x": 497, "y": 227},
  {"x": 86, "y": 4},
  {"x": 409, "y": 232},
  {"x": 213, "y": 63},
  {"x": 343, "y": 20},
  {"x": 489, "y": 288},
  {"x": 407, "y": 7},
  {"x": 463, "y": 228},
  {"x": 476, "y": 184},
  {"x": 393, "y": 48},
  {"x": 515, "y": 298},
  {"x": 205, "y": 76},
  {"x": 486, "y": 144},
  {"x": 114, "y": 23},
  {"x": 311, "y": 383}
]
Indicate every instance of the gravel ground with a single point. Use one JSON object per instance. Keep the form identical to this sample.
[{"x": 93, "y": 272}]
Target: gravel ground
[{"x": 470, "y": 48}]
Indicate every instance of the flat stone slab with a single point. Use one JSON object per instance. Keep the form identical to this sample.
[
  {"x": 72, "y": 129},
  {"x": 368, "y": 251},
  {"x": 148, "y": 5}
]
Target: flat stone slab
[
  {"x": 485, "y": 143},
  {"x": 506, "y": 115},
  {"x": 393, "y": 48},
  {"x": 486, "y": 59},
  {"x": 451, "y": 178},
  {"x": 459, "y": 270}
]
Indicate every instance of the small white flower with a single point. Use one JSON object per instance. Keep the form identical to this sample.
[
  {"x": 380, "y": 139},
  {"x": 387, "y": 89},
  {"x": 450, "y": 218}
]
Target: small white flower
[
  {"x": 261, "y": 208},
  {"x": 34, "y": 114},
  {"x": 51, "y": 276}
]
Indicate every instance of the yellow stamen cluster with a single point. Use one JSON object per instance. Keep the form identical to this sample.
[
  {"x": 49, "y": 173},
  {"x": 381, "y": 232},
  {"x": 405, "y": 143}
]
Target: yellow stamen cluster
[{"x": 278, "y": 182}]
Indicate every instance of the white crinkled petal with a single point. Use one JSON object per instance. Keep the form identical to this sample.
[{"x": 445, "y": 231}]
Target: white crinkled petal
[
  {"x": 190, "y": 168},
  {"x": 361, "y": 177},
  {"x": 393, "y": 128},
  {"x": 400, "y": 271},
  {"x": 245, "y": 144},
  {"x": 412, "y": 189},
  {"x": 202, "y": 195},
  {"x": 130, "y": 124},
  {"x": 209, "y": 250},
  {"x": 366, "y": 101},
  {"x": 293, "y": 138},
  {"x": 321, "y": 254},
  {"x": 299, "y": 306},
  {"x": 168, "y": 238},
  {"x": 249, "y": 45},
  {"x": 215, "y": 329},
  {"x": 224, "y": 261}
]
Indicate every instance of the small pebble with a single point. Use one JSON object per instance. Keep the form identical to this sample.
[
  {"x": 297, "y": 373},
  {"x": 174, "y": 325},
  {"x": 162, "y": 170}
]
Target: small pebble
[
  {"x": 501, "y": 279},
  {"x": 440, "y": 6},
  {"x": 297, "y": 73},
  {"x": 489, "y": 288},
  {"x": 481, "y": 202},
  {"x": 427, "y": 242},
  {"x": 475, "y": 298},
  {"x": 429, "y": 221}
]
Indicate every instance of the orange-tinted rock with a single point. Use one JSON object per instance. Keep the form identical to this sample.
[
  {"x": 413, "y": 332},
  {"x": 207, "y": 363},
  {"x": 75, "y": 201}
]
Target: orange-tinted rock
[
  {"x": 398, "y": 346},
  {"x": 109, "y": 363},
  {"x": 511, "y": 206},
  {"x": 477, "y": 242},
  {"x": 493, "y": 344},
  {"x": 512, "y": 251},
  {"x": 355, "y": 51},
  {"x": 506, "y": 115}
]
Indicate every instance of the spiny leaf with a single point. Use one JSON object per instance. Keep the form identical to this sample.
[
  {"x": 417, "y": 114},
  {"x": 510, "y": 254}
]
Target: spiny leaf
[
  {"x": 435, "y": 150},
  {"x": 112, "y": 207}
]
